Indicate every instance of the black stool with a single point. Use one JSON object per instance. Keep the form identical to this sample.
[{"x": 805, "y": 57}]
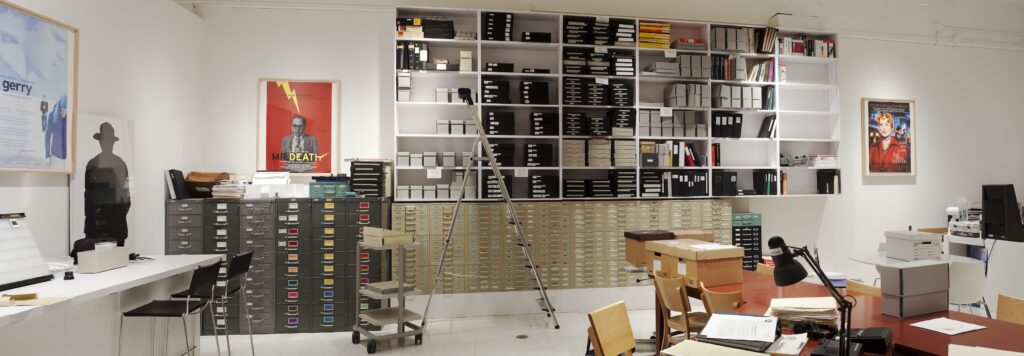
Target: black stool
[{"x": 238, "y": 267}]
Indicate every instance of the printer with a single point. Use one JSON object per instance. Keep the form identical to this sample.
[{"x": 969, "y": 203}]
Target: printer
[{"x": 913, "y": 245}]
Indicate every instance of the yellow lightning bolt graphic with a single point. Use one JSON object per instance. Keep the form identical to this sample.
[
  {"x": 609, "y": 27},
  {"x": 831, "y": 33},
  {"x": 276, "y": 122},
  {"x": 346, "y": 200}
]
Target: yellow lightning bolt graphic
[
  {"x": 291, "y": 94},
  {"x": 319, "y": 157}
]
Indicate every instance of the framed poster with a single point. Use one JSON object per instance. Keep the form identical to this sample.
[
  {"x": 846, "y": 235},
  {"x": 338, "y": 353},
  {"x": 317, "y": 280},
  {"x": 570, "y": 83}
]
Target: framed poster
[
  {"x": 38, "y": 91},
  {"x": 298, "y": 126},
  {"x": 888, "y": 137},
  {"x": 102, "y": 186}
]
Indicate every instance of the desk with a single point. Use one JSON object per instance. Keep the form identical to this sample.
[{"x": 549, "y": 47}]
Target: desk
[
  {"x": 86, "y": 323},
  {"x": 758, "y": 291},
  {"x": 878, "y": 258}
]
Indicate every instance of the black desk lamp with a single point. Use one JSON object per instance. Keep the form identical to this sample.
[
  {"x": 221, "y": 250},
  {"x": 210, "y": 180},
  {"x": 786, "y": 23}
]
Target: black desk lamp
[{"x": 789, "y": 272}]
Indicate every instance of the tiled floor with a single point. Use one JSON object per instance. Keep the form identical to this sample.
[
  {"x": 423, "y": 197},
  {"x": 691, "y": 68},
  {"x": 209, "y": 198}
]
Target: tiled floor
[{"x": 465, "y": 336}]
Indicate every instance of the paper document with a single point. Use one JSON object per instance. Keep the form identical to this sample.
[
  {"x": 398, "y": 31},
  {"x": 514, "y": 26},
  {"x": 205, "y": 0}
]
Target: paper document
[
  {"x": 947, "y": 326},
  {"x": 741, "y": 327},
  {"x": 711, "y": 246},
  {"x": 693, "y": 348},
  {"x": 961, "y": 350},
  {"x": 788, "y": 345}
]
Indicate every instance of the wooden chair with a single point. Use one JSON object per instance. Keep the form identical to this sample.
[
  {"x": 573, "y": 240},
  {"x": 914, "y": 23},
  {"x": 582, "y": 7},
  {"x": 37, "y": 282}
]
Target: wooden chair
[
  {"x": 765, "y": 269},
  {"x": 1010, "y": 309},
  {"x": 720, "y": 302},
  {"x": 610, "y": 331},
  {"x": 672, "y": 293},
  {"x": 861, "y": 288}
]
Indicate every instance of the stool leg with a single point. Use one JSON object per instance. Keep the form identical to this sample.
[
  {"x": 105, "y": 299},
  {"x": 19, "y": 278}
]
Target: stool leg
[
  {"x": 213, "y": 321},
  {"x": 120, "y": 335},
  {"x": 248, "y": 323},
  {"x": 184, "y": 326},
  {"x": 227, "y": 333}
]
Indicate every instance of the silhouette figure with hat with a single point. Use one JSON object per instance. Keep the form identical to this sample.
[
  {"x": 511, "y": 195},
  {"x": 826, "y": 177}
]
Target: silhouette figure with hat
[{"x": 107, "y": 198}]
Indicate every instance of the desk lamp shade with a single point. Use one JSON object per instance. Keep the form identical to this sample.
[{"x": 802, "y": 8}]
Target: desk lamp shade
[{"x": 787, "y": 270}]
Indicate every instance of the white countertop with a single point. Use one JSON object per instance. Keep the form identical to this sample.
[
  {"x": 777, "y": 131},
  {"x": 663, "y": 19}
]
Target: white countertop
[
  {"x": 878, "y": 258},
  {"x": 87, "y": 287}
]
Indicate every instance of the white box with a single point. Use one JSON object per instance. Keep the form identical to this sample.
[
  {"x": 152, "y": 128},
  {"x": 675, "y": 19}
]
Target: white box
[
  {"x": 404, "y": 95},
  {"x": 469, "y": 127},
  {"x": 441, "y": 95},
  {"x": 430, "y": 159},
  {"x": 444, "y": 191},
  {"x": 404, "y": 80},
  {"x": 443, "y": 127},
  {"x": 748, "y": 97},
  {"x": 402, "y": 192},
  {"x": 465, "y": 61},
  {"x": 96, "y": 261},
  {"x": 416, "y": 159},
  {"x": 457, "y": 127},
  {"x": 430, "y": 192},
  {"x": 416, "y": 192},
  {"x": 448, "y": 159},
  {"x": 737, "y": 97},
  {"x": 913, "y": 245},
  {"x": 403, "y": 159}
]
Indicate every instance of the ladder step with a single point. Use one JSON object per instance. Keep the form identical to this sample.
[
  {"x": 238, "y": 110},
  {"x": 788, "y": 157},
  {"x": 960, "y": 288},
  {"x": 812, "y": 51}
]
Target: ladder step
[{"x": 480, "y": 159}]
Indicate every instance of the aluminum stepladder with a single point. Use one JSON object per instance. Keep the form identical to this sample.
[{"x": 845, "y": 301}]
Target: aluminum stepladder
[{"x": 481, "y": 140}]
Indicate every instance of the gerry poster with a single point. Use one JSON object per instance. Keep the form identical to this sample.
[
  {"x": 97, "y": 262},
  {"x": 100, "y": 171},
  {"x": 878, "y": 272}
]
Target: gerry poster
[
  {"x": 298, "y": 125},
  {"x": 38, "y": 60},
  {"x": 889, "y": 137}
]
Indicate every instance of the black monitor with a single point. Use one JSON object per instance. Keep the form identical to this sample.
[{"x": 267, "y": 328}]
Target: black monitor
[{"x": 1000, "y": 216}]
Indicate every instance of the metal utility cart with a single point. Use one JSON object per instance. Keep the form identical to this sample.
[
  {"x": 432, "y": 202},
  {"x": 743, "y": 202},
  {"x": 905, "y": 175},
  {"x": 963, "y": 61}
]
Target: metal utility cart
[{"x": 382, "y": 317}]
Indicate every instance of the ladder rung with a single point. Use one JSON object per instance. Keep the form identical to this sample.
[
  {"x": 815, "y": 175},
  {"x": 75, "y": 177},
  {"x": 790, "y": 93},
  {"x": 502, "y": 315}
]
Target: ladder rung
[{"x": 480, "y": 159}]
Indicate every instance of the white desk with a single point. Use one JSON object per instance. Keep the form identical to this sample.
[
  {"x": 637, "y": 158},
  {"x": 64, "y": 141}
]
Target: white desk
[
  {"x": 878, "y": 258},
  {"x": 87, "y": 322}
]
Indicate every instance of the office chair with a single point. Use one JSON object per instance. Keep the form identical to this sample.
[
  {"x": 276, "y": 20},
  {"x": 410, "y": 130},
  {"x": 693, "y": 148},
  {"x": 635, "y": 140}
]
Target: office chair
[
  {"x": 203, "y": 279},
  {"x": 720, "y": 302},
  {"x": 672, "y": 293},
  {"x": 234, "y": 282},
  {"x": 1011, "y": 309},
  {"x": 610, "y": 331},
  {"x": 967, "y": 284}
]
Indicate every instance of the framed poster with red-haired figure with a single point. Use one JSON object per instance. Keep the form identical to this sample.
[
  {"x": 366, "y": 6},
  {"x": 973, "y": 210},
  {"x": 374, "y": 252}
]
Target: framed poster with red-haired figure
[
  {"x": 888, "y": 137},
  {"x": 298, "y": 125}
]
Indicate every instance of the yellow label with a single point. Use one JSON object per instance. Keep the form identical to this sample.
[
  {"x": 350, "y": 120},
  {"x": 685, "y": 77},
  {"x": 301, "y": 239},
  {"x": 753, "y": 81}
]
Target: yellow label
[
  {"x": 329, "y": 231},
  {"x": 329, "y": 217},
  {"x": 328, "y": 281},
  {"x": 328, "y": 256},
  {"x": 416, "y": 21},
  {"x": 328, "y": 268},
  {"x": 293, "y": 269},
  {"x": 329, "y": 205},
  {"x": 328, "y": 243},
  {"x": 293, "y": 257}
]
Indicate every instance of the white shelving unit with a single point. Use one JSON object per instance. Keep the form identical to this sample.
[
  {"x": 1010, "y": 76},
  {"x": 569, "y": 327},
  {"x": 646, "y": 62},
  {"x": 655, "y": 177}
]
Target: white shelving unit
[{"x": 806, "y": 103}]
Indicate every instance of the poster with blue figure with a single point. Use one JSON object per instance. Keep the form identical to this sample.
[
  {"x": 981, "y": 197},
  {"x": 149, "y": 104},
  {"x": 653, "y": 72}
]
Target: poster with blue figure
[{"x": 38, "y": 58}]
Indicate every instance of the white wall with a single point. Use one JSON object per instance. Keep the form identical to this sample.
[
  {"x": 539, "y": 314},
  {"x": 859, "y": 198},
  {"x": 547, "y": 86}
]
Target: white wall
[
  {"x": 965, "y": 99},
  {"x": 243, "y": 45},
  {"x": 138, "y": 61}
]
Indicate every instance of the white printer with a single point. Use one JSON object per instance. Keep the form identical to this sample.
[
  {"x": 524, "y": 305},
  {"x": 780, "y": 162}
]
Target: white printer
[{"x": 913, "y": 245}]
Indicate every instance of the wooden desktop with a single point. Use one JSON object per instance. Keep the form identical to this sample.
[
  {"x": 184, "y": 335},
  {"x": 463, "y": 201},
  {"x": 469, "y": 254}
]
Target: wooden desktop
[{"x": 759, "y": 290}]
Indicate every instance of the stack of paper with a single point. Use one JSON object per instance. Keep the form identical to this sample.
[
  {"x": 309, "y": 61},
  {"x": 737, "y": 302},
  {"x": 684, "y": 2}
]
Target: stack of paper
[
  {"x": 820, "y": 310},
  {"x": 229, "y": 189}
]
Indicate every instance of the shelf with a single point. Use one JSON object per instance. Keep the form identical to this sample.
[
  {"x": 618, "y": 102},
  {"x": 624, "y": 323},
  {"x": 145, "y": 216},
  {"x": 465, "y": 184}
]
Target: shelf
[
  {"x": 527, "y": 168},
  {"x": 778, "y": 196},
  {"x": 583, "y": 137},
  {"x": 427, "y": 103},
  {"x": 693, "y": 168},
  {"x": 525, "y": 137},
  {"x": 806, "y": 59},
  {"x": 666, "y": 78},
  {"x": 438, "y": 73},
  {"x": 434, "y": 136},
  {"x": 418, "y": 168},
  {"x": 597, "y": 107},
  {"x": 741, "y": 82},
  {"x": 519, "y": 105},
  {"x": 743, "y": 110},
  {"x": 517, "y": 45},
  {"x": 973, "y": 241},
  {"x": 805, "y": 168},
  {"x": 829, "y": 140},
  {"x": 674, "y": 198},
  {"x": 387, "y": 316},
  {"x": 670, "y": 50},
  {"x": 644, "y": 107},
  {"x": 629, "y": 77},
  {"x": 745, "y": 167},
  {"x": 743, "y": 54},
  {"x": 629, "y": 48},
  {"x": 597, "y": 168},
  {"x": 742, "y": 139},
  {"x": 518, "y": 75},
  {"x": 674, "y": 138},
  {"x": 378, "y": 296},
  {"x": 442, "y": 42}
]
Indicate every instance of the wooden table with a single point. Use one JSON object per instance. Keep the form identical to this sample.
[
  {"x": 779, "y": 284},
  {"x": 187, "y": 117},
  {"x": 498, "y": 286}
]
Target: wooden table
[{"x": 759, "y": 290}]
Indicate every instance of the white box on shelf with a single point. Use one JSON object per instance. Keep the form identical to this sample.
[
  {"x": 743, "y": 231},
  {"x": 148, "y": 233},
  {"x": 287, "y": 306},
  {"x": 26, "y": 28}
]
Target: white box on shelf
[
  {"x": 444, "y": 191},
  {"x": 443, "y": 127},
  {"x": 404, "y": 80},
  {"x": 430, "y": 192},
  {"x": 402, "y": 192},
  {"x": 448, "y": 159},
  {"x": 416, "y": 159},
  {"x": 756, "y": 91},
  {"x": 824, "y": 161},
  {"x": 430, "y": 159},
  {"x": 737, "y": 97},
  {"x": 441, "y": 95},
  {"x": 458, "y": 127},
  {"x": 403, "y": 159},
  {"x": 416, "y": 192},
  {"x": 465, "y": 61},
  {"x": 748, "y": 97},
  {"x": 404, "y": 95}
]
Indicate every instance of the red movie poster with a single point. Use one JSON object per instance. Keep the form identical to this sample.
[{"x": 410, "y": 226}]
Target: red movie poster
[{"x": 299, "y": 123}]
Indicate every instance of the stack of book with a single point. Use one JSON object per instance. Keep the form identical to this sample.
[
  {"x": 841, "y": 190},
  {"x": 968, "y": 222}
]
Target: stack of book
[
  {"x": 504, "y": 154},
  {"x": 575, "y": 124},
  {"x": 499, "y": 67},
  {"x": 574, "y": 153},
  {"x": 500, "y": 123},
  {"x": 572, "y": 90},
  {"x": 766, "y": 182},
  {"x": 689, "y": 184},
  {"x": 762, "y": 72},
  {"x": 599, "y": 126},
  {"x": 497, "y": 26},
  {"x": 496, "y": 92},
  {"x": 664, "y": 68},
  {"x": 801, "y": 46},
  {"x": 370, "y": 178},
  {"x": 425, "y": 27},
  {"x": 599, "y": 152},
  {"x": 491, "y": 188},
  {"x": 623, "y": 32},
  {"x": 650, "y": 184},
  {"x": 623, "y": 153},
  {"x": 622, "y": 122},
  {"x": 724, "y": 183},
  {"x": 624, "y": 183},
  {"x": 229, "y": 189},
  {"x": 538, "y": 37},
  {"x": 670, "y": 154},
  {"x": 621, "y": 93},
  {"x": 688, "y": 95},
  {"x": 818, "y": 310},
  {"x": 574, "y": 61},
  {"x": 539, "y": 154},
  {"x": 726, "y": 125},
  {"x": 598, "y": 63},
  {"x": 768, "y": 125},
  {"x": 655, "y": 34},
  {"x": 690, "y": 44},
  {"x": 542, "y": 187},
  {"x": 574, "y": 188},
  {"x": 597, "y": 93},
  {"x": 728, "y": 68},
  {"x": 544, "y": 123},
  {"x": 601, "y": 32},
  {"x": 743, "y": 39},
  {"x": 412, "y": 55},
  {"x": 534, "y": 92},
  {"x": 601, "y": 188},
  {"x": 578, "y": 30}
]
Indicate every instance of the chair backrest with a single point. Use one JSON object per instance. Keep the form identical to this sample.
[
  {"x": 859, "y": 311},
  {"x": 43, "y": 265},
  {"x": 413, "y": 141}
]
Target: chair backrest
[
  {"x": 672, "y": 293},
  {"x": 610, "y": 326},
  {"x": 720, "y": 302},
  {"x": 1010, "y": 309},
  {"x": 239, "y": 264},
  {"x": 203, "y": 279},
  {"x": 861, "y": 288},
  {"x": 966, "y": 282},
  {"x": 765, "y": 269}
]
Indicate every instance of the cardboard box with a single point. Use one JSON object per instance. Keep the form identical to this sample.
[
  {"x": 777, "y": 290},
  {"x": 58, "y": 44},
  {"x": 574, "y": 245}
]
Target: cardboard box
[
  {"x": 635, "y": 240},
  {"x": 382, "y": 237},
  {"x": 678, "y": 258},
  {"x": 693, "y": 235},
  {"x": 914, "y": 288}
]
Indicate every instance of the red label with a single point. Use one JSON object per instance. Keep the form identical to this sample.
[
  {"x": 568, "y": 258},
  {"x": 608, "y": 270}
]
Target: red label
[
  {"x": 293, "y": 231},
  {"x": 364, "y": 217},
  {"x": 293, "y": 295},
  {"x": 364, "y": 205},
  {"x": 293, "y": 244},
  {"x": 364, "y": 281},
  {"x": 364, "y": 255},
  {"x": 364, "y": 268}
]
